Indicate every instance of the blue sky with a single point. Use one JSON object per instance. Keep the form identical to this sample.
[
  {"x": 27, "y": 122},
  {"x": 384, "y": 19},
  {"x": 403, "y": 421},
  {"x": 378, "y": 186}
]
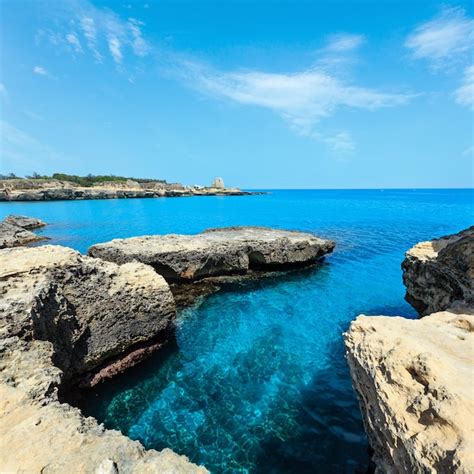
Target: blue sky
[{"x": 267, "y": 94}]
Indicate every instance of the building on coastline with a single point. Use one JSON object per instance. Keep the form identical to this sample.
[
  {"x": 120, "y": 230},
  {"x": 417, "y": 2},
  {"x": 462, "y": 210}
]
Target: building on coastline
[{"x": 218, "y": 183}]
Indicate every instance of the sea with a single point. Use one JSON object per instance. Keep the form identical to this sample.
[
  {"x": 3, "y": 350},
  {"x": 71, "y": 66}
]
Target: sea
[{"x": 255, "y": 379}]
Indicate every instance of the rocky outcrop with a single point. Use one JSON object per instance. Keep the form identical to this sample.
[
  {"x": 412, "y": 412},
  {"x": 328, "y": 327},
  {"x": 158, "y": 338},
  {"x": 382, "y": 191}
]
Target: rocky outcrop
[
  {"x": 15, "y": 231},
  {"x": 40, "y": 434},
  {"x": 61, "y": 315},
  {"x": 55, "y": 190},
  {"x": 224, "y": 251},
  {"x": 414, "y": 378},
  {"x": 25, "y": 222},
  {"x": 13, "y": 236},
  {"x": 90, "y": 310},
  {"x": 439, "y": 274}
]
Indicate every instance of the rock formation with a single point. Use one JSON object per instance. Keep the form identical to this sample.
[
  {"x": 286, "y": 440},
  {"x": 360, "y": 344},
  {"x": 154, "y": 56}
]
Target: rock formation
[
  {"x": 15, "y": 231},
  {"x": 25, "y": 222},
  {"x": 224, "y": 251},
  {"x": 414, "y": 378},
  {"x": 440, "y": 273},
  {"x": 61, "y": 315},
  {"x": 218, "y": 183},
  {"x": 56, "y": 190}
]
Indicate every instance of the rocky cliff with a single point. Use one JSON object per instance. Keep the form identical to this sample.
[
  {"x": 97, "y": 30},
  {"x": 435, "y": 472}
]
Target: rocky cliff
[
  {"x": 61, "y": 315},
  {"x": 439, "y": 274},
  {"x": 414, "y": 378},
  {"x": 224, "y": 251}
]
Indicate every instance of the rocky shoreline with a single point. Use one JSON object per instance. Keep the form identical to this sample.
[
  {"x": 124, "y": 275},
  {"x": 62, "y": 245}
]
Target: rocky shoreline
[
  {"x": 15, "y": 231},
  {"x": 67, "y": 318},
  {"x": 56, "y": 190},
  {"x": 414, "y": 378}
]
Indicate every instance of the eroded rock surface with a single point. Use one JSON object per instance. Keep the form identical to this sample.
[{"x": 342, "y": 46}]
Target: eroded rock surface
[
  {"x": 439, "y": 274},
  {"x": 25, "y": 222},
  {"x": 414, "y": 379},
  {"x": 40, "y": 434},
  {"x": 62, "y": 314},
  {"x": 89, "y": 309},
  {"x": 224, "y": 251},
  {"x": 14, "y": 236}
]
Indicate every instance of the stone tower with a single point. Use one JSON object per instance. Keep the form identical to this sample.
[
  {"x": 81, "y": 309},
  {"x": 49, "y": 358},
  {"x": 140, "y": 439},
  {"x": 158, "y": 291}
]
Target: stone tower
[{"x": 218, "y": 183}]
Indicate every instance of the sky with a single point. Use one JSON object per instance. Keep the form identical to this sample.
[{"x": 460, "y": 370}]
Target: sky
[{"x": 265, "y": 93}]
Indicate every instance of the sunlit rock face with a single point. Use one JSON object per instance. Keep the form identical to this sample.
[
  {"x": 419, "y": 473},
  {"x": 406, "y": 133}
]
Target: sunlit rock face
[
  {"x": 61, "y": 315},
  {"x": 223, "y": 251},
  {"x": 414, "y": 378}
]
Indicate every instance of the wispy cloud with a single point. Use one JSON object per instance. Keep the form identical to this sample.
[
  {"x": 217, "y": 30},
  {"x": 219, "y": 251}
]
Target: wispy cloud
[
  {"x": 41, "y": 71},
  {"x": 344, "y": 42},
  {"x": 301, "y": 98},
  {"x": 443, "y": 40},
  {"x": 86, "y": 28},
  {"x": 73, "y": 40},
  {"x": 464, "y": 95}
]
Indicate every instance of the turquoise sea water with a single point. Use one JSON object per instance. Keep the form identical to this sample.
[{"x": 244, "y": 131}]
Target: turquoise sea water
[{"x": 256, "y": 380}]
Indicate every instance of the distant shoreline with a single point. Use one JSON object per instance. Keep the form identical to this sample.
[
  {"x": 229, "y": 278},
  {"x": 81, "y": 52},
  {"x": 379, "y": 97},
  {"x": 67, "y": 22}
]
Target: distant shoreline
[{"x": 13, "y": 190}]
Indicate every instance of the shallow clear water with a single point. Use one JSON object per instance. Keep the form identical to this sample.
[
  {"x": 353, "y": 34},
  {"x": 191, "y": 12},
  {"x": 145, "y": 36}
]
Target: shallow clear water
[{"x": 256, "y": 379}]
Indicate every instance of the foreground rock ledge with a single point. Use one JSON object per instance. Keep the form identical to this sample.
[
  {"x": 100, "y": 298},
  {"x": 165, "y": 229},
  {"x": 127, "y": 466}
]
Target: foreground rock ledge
[
  {"x": 414, "y": 379},
  {"x": 62, "y": 315},
  {"x": 223, "y": 251}
]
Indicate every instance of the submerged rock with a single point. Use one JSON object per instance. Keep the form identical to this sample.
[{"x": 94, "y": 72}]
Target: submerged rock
[
  {"x": 25, "y": 222},
  {"x": 440, "y": 273},
  {"x": 414, "y": 378},
  {"x": 62, "y": 314},
  {"x": 224, "y": 251}
]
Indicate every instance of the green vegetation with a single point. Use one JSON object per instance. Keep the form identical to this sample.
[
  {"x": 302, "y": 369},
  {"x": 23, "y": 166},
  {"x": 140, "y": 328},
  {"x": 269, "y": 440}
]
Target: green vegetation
[{"x": 86, "y": 181}]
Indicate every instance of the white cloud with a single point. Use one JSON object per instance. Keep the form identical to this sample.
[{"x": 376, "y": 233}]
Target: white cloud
[
  {"x": 344, "y": 42},
  {"x": 139, "y": 45},
  {"x": 114, "y": 47},
  {"x": 90, "y": 33},
  {"x": 469, "y": 151},
  {"x": 73, "y": 40},
  {"x": 444, "y": 39},
  {"x": 302, "y": 98},
  {"x": 464, "y": 95},
  {"x": 99, "y": 30},
  {"x": 41, "y": 71}
]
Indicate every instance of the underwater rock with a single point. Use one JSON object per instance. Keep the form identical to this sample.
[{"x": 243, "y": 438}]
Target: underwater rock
[
  {"x": 414, "y": 378},
  {"x": 223, "y": 251},
  {"x": 439, "y": 274}
]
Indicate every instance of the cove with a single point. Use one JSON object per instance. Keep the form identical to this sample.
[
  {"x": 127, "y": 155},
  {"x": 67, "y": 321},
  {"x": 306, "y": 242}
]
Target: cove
[{"x": 256, "y": 380}]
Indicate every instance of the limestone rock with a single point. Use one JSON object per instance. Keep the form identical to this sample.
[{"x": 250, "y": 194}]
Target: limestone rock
[
  {"x": 224, "y": 251},
  {"x": 89, "y": 309},
  {"x": 40, "y": 434},
  {"x": 218, "y": 183},
  {"x": 25, "y": 222},
  {"x": 414, "y": 379},
  {"x": 14, "y": 236},
  {"x": 440, "y": 273}
]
